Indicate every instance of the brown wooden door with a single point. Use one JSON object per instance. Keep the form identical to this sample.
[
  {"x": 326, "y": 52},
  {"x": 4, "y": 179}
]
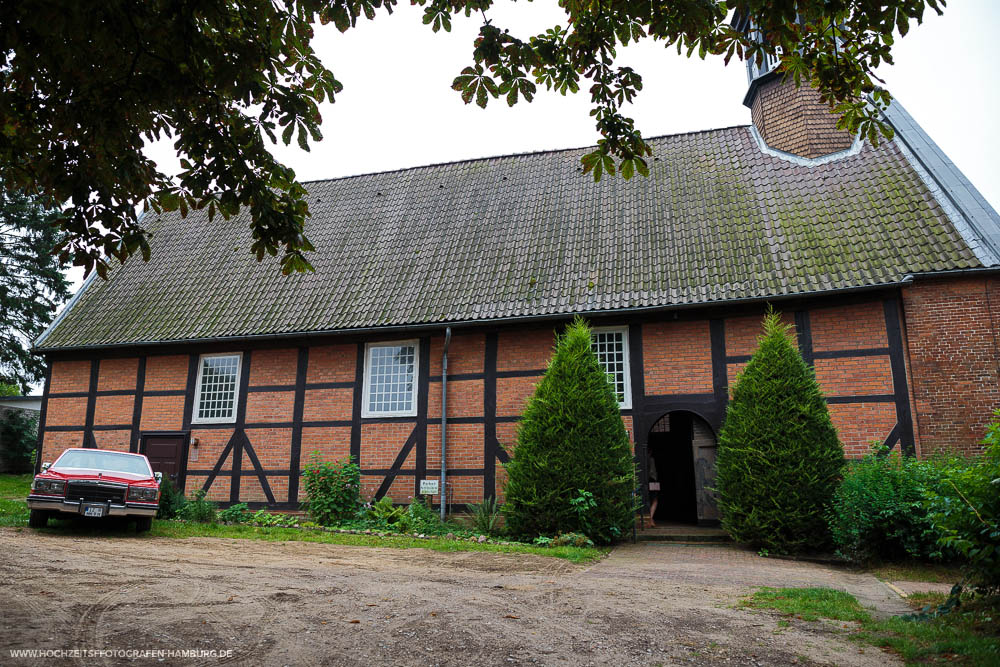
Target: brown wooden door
[
  {"x": 704, "y": 447},
  {"x": 166, "y": 455}
]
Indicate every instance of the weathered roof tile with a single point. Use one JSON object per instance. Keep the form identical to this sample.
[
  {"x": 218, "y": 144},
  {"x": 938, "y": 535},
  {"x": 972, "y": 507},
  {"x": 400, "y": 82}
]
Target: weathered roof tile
[{"x": 527, "y": 235}]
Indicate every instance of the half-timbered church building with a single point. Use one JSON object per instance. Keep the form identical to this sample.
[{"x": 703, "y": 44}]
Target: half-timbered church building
[{"x": 444, "y": 285}]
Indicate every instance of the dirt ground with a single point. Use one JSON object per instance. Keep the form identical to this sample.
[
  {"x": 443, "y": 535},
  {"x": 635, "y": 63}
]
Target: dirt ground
[{"x": 297, "y": 603}]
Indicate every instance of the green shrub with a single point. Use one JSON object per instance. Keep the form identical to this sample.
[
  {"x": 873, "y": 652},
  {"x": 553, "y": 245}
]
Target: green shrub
[
  {"x": 966, "y": 509},
  {"x": 486, "y": 517},
  {"x": 779, "y": 458},
  {"x": 333, "y": 489},
  {"x": 879, "y": 511},
  {"x": 264, "y": 518},
  {"x": 198, "y": 509},
  {"x": 238, "y": 513},
  {"x": 571, "y": 540},
  {"x": 571, "y": 438},
  {"x": 419, "y": 518},
  {"x": 384, "y": 514},
  {"x": 19, "y": 434},
  {"x": 563, "y": 540},
  {"x": 171, "y": 500}
]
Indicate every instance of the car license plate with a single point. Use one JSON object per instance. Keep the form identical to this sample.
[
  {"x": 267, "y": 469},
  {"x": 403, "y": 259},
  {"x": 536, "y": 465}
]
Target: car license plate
[{"x": 94, "y": 510}]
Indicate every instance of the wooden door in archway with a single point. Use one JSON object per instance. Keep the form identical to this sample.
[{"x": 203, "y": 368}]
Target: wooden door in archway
[
  {"x": 704, "y": 448},
  {"x": 684, "y": 447}
]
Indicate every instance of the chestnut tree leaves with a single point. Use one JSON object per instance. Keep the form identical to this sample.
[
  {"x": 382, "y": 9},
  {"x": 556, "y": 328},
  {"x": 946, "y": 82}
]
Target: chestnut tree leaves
[{"x": 86, "y": 85}]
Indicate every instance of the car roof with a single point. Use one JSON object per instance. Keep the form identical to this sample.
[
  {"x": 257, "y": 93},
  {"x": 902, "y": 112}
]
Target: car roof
[{"x": 102, "y": 451}]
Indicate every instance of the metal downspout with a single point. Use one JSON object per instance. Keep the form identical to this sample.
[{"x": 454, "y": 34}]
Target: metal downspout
[{"x": 444, "y": 423}]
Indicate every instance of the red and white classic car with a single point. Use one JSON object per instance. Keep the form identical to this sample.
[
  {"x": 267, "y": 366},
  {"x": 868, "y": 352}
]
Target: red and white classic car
[{"x": 95, "y": 483}]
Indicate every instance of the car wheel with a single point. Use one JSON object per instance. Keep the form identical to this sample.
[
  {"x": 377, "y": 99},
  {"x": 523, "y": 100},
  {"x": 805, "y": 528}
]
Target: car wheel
[
  {"x": 38, "y": 519},
  {"x": 143, "y": 523}
]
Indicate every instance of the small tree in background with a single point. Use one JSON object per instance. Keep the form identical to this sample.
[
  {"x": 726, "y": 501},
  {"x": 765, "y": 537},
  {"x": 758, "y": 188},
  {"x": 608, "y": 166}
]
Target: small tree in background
[
  {"x": 779, "y": 459},
  {"x": 572, "y": 468},
  {"x": 19, "y": 435}
]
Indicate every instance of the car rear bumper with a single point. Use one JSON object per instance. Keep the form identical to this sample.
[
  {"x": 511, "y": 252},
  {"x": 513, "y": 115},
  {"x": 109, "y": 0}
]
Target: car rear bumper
[{"x": 73, "y": 507}]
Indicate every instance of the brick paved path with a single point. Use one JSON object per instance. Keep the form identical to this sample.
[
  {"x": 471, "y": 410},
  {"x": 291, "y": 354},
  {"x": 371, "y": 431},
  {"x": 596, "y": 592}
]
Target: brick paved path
[{"x": 725, "y": 567}]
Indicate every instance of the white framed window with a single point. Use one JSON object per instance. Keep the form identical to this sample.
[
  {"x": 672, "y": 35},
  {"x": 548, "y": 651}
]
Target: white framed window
[
  {"x": 610, "y": 344},
  {"x": 391, "y": 379},
  {"x": 217, "y": 388}
]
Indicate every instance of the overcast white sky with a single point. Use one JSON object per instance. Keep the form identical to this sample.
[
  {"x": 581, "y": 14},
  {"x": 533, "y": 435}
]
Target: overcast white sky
[{"x": 398, "y": 110}]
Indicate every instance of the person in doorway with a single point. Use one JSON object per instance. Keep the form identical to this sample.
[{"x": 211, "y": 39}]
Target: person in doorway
[{"x": 654, "y": 490}]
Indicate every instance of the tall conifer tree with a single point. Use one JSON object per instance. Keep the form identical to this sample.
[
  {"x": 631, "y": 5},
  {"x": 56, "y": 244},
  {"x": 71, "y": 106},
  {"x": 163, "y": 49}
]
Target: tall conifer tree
[
  {"x": 32, "y": 283},
  {"x": 779, "y": 457},
  {"x": 571, "y": 440}
]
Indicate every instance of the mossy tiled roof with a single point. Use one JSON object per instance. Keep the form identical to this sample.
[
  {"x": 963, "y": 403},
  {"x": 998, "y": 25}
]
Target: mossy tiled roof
[{"x": 528, "y": 235}]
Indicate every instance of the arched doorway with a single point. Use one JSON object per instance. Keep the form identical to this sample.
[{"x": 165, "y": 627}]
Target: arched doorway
[{"x": 682, "y": 445}]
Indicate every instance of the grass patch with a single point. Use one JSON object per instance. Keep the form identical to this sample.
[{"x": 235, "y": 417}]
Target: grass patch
[
  {"x": 809, "y": 604},
  {"x": 934, "y": 573},
  {"x": 178, "y": 529},
  {"x": 970, "y": 635},
  {"x": 13, "y": 491},
  {"x": 14, "y": 512},
  {"x": 15, "y": 487},
  {"x": 967, "y": 636}
]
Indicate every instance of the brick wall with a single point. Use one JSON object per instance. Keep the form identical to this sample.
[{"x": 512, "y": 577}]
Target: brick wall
[
  {"x": 845, "y": 327},
  {"x": 273, "y": 367},
  {"x": 270, "y": 406},
  {"x": 794, "y": 120},
  {"x": 69, "y": 376},
  {"x": 332, "y": 363},
  {"x": 117, "y": 374},
  {"x": 465, "y": 445},
  {"x": 525, "y": 349},
  {"x": 951, "y": 327},
  {"x": 677, "y": 358},
  {"x": 860, "y": 425},
  {"x": 164, "y": 373}
]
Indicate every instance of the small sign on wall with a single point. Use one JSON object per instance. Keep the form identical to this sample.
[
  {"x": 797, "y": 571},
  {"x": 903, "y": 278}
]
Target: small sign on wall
[{"x": 428, "y": 487}]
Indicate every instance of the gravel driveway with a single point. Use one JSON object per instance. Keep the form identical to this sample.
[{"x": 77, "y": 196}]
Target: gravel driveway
[{"x": 297, "y": 603}]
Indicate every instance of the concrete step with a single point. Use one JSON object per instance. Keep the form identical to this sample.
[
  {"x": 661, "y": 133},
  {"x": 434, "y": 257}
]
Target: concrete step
[{"x": 683, "y": 533}]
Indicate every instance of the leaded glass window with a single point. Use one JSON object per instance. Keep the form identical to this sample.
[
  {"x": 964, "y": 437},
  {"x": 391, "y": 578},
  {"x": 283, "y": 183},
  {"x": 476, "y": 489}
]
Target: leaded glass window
[
  {"x": 391, "y": 380},
  {"x": 218, "y": 383},
  {"x": 611, "y": 348}
]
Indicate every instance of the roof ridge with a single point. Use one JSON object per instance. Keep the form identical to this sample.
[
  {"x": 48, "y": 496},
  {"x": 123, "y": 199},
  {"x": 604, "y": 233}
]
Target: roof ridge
[{"x": 547, "y": 151}]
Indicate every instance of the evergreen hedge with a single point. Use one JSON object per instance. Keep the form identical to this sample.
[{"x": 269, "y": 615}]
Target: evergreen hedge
[
  {"x": 779, "y": 458},
  {"x": 572, "y": 468}
]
